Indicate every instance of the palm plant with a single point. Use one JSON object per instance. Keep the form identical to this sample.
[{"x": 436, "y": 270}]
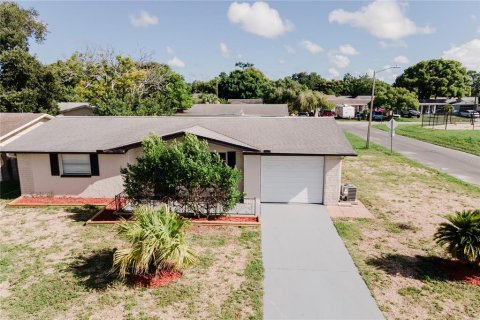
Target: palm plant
[
  {"x": 157, "y": 240},
  {"x": 461, "y": 234}
]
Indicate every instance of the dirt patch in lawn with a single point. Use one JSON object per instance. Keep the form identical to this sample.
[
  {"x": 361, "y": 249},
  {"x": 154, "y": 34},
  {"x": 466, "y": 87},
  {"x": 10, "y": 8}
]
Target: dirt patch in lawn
[
  {"x": 58, "y": 268},
  {"x": 396, "y": 254}
]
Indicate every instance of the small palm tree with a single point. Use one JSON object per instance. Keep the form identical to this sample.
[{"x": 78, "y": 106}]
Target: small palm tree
[
  {"x": 461, "y": 234},
  {"x": 157, "y": 240}
]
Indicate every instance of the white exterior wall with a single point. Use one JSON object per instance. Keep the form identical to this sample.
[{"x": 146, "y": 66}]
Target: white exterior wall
[{"x": 332, "y": 180}]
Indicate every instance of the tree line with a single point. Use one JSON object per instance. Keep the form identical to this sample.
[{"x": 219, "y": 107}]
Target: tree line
[{"x": 121, "y": 85}]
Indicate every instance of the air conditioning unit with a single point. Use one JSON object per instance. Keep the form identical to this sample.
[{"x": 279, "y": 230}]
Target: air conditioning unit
[{"x": 349, "y": 192}]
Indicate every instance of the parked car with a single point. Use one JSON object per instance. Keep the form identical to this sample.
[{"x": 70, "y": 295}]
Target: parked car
[
  {"x": 303, "y": 114},
  {"x": 377, "y": 116},
  {"x": 328, "y": 113},
  {"x": 470, "y": 114},
  {"x": 410, "y": 113}
]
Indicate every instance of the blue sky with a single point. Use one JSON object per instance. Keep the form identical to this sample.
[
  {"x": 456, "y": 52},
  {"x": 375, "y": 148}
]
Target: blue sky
[{"x": 201, "y": 39}]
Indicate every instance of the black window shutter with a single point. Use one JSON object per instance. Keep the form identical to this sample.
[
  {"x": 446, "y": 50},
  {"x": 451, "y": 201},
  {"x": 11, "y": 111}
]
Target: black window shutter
[
  {"x": 232, "y": 159},
  {"x": 94, "y": 164},
  {"x": 54, "y": 168}
]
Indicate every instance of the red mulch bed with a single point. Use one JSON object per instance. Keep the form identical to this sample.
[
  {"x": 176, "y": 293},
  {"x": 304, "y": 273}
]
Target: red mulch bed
[
  {"x": 59, "y": 201},
  {"x": 459, "y": 271},
  {"x": 161, "y": 280}
]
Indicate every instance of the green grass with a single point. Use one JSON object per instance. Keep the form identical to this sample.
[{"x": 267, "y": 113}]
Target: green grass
[
  {"x": 462, "y": 140},
  {"x": 395, "y": 253}
]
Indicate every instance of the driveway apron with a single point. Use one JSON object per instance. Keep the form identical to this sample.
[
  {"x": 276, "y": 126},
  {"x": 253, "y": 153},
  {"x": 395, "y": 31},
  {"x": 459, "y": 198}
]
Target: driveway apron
[{"x": 308, "y": 271}]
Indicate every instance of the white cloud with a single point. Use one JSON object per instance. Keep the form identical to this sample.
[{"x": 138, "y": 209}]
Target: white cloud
[
  {"x": 289, "y": 49},
  {"x": 401, "y": 60},
  {"x": 333, "y": 73},
  {"x": 143, "y": 19},
  {"x": 176, "y": 62},
  {"x": 224, "y": 50},
  {"x": 170, "y": 50},
  {"x": 281, "y": 61},
  {"x": 393, "y": 44},
  {"x": 468, "y": 54},
  {"x": 370, "y": 72},
  {"x": 258, "y": 18},
  {"x": 340, "y": 61},
  {"x": 382, "y": 19},
  {"x": 348, "y": 50},
  {"x": 311, "y": 47}
]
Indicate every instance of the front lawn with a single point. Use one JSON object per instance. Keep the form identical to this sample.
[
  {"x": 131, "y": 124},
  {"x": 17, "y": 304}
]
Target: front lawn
[
  {"x": 52, "y": 266},
  {"x": 463, "y": 140},
  {"x": 395, "y": 252}
]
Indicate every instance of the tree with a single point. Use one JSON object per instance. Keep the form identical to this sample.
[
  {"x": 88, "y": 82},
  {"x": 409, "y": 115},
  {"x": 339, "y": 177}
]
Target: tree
[
  {"x": 461, "y": 234},
  {"x": 208, "y": 87},
  {"x": 310, "y": 100},
  {"x": 393, "y": 98},
  {"x": 283, "y": 90},
  {"x": 157, "y": 239},
  {"x": 435, "y": 78},
  {"x": 25, "y": 84},
  {"x": 119, "y": 85},
  {"x": 18, "y": 25},
  {"x": 247, "y": 83},
  {"x": 312, "y": 81},
  {"x": 475, "y": 82},
  {"x": 186, "y": 173}
]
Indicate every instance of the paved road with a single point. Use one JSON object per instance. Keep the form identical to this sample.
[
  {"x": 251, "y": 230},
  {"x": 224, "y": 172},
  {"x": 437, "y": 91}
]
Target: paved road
[
  {"x": 459, "y": 164},
  {"x": 308, "y": 271}
]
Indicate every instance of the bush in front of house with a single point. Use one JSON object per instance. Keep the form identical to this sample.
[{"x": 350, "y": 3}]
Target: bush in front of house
[
  {"x": 157, "y": 243},
  {"x": 461, "y": 235},
  {"x": 184, "y": 173}
]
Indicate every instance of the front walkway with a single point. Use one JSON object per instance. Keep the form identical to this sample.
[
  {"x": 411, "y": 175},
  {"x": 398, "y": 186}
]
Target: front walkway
[{"x": 308, "y": 271}]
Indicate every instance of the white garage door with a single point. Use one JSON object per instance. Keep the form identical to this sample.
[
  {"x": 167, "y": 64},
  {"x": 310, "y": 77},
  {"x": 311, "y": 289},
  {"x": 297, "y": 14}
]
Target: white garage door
[{"x": 292, "y": 179}]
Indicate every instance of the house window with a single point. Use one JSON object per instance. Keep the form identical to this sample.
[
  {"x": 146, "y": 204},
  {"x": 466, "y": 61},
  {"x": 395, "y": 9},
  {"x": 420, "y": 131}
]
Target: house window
[
  {"x": 76, "y": 164},
  {"x": 230, "y": 158}
]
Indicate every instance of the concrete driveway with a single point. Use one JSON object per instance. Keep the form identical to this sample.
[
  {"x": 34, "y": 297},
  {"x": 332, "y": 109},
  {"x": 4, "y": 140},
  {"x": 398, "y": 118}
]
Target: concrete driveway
[
  {"x": 308, "y": 271},
  {"x": 464, "y": 166}
]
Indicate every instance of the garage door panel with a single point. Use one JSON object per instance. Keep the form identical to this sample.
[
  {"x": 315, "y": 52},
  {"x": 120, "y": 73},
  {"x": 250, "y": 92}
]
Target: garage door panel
[{"x": 292, "y": 179}]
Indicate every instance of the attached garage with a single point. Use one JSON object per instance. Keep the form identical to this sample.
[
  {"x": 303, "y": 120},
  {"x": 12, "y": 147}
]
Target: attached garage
[{"x": 292, "y": 179}]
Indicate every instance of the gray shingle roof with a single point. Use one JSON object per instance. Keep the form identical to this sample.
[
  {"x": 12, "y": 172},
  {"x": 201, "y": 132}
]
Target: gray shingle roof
[
  {"x": 297, "y": 135},
  {"x": 265, "y": 110},
  {"x": 69, "y": 106},
  {"x": 12, "y": 121}
]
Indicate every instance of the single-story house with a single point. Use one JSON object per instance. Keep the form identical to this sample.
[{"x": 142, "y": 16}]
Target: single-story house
[
  {"x": 282, "y": 159},
  {"x": 255, "y": 110},
  {"x": 13, "y": 126},
  {"x": 360, "y": 103},
  {"x": 75, "y": 109},
  {"x": 459, "y": 104}
]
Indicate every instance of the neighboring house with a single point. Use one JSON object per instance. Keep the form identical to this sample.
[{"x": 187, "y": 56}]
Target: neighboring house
[
  {"x": 282, "y": 159},
  {"x": 360, "y": 103},
  {"x": 256, "y": 110},
  {"x": 459, "y": 105},
  {"x": 75, "y": 109},
  {"x": 13, "y": 126},
  {"x": 245, "y": 101}
]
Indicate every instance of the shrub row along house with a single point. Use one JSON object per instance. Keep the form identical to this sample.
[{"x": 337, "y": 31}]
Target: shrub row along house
[{"x": 282, "y": 159}]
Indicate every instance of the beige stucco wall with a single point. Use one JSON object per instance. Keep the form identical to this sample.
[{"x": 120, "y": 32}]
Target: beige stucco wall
[
  {"x": 252, "y": 176},
  {"x": 36, "y": 178},
  {"x": 332, "y": 180},
  {"x": 78, "y": 112}
]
